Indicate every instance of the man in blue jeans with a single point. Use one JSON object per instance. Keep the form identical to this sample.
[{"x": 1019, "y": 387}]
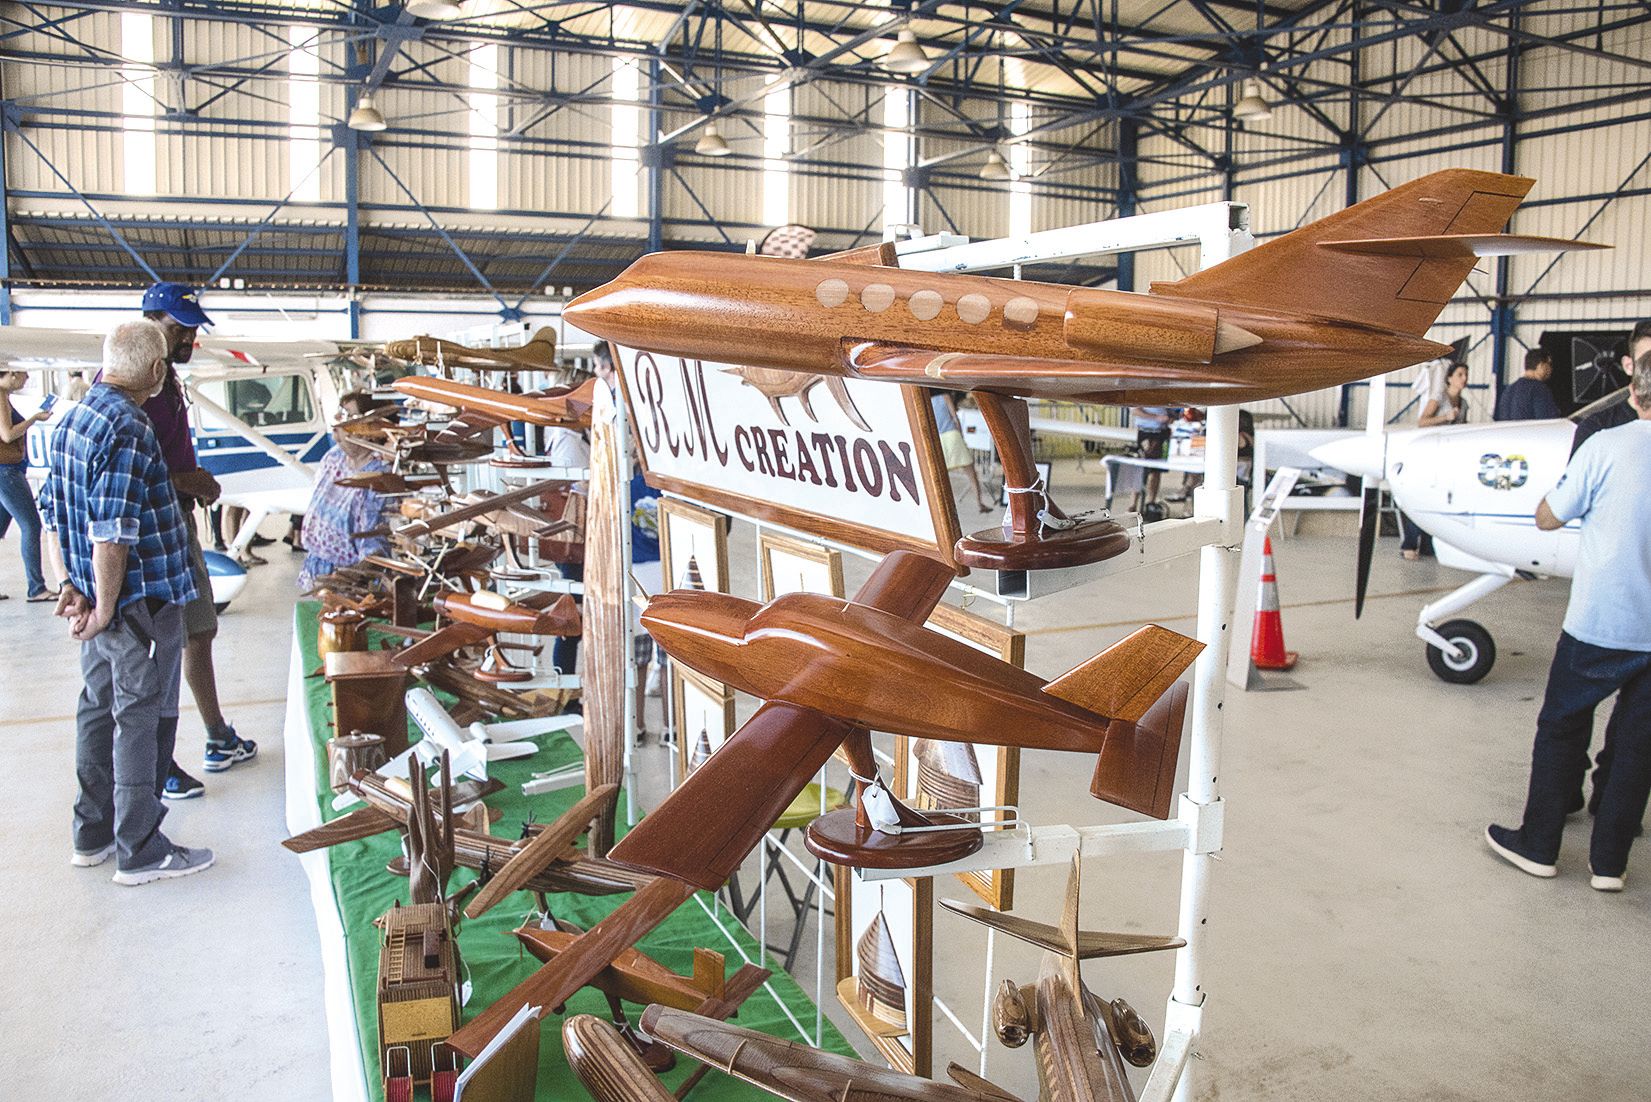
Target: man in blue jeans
[
  {"x": 1605, "y": 648},
  {"x": 117, "y": 544}
]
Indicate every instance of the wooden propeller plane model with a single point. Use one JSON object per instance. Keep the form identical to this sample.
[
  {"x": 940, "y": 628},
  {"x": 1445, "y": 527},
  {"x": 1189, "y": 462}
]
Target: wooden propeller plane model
[
  {"x": 830, "y": 670},
  {"x": 561, "y": 407},
  {"x": 538, "y": 354},
  {"x": 1081, "y": 1041},
  {"x": 479, "y": 617},
  {"x": 635, "y": 977},
  {"x": 1344, "y": 298},
  {"x": 543, "y": 860}
]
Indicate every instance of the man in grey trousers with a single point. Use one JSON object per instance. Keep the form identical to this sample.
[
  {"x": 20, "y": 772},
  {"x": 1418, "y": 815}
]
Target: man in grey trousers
[{"x": 116, "y": 541}]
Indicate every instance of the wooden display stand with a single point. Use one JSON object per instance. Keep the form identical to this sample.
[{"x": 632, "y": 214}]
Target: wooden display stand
[{"x": 368, "y": 695}]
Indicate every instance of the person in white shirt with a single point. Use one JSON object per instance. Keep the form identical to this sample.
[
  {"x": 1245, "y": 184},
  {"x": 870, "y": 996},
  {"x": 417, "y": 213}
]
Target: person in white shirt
[{"x": 1605, "y": 648}]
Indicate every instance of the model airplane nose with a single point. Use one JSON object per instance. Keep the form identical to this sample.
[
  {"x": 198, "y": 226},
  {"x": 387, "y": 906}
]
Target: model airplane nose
[
  {"x": 684, "y": 620},
  {"x": 1362, "y": 455}
]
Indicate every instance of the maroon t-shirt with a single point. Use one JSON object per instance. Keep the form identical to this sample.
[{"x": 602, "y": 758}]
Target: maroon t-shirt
[{"x": 171, "y": 417}]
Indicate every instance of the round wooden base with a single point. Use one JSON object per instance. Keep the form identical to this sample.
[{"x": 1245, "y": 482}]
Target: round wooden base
[
  {"x": 999, "y": 549},
  {"x": 838, "y": 837}
]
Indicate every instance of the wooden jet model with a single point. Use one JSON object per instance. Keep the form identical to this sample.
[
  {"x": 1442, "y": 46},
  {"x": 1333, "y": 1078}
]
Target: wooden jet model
[
  {"x": 1082, "y": 1042},
  {"x": 1344, "y": 298},
  {"x": 635, "y": 977},
  {"x": 479, "y": 617},
  {"x": 830, "y": 670},
  {"x": 538, "y": 354},
  {"x": 543, "y": 860}
]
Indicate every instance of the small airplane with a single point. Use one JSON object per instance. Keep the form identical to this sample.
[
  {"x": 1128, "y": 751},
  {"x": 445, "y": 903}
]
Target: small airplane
[
  {"x": 800, "y": 651},
  {"x": 1082, "y": 1043},
  {"x": 1343, "y": 298},
  {"x": 1475, "y": 489},
  {"x": 263, "y": 410},
  {"x": 479, "y": 617},
  {"x": 538, "y": 354},
  {"x": 469, "y": 749},
  {"x": 559, "y": 407},
  {"x": 635, "y": 977},
  {"x": 544, "y": 860}
]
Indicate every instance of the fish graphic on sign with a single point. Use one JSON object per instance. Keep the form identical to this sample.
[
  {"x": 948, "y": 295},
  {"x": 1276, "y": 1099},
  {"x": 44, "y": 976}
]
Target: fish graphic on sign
[{"x": 774, "y": 385}]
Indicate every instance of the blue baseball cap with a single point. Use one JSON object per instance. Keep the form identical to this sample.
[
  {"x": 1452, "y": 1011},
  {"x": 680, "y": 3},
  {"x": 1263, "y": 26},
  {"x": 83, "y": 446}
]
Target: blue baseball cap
[{"x": 181, "y": 303}]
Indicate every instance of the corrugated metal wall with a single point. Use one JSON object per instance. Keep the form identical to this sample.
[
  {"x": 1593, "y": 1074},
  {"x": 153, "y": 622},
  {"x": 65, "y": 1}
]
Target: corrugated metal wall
[{"x": 1289, "y": 169}]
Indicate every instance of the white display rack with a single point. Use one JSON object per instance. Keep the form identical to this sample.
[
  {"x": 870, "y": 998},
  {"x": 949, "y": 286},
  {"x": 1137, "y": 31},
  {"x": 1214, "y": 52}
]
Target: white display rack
[{"x": 1215, "y": 530}]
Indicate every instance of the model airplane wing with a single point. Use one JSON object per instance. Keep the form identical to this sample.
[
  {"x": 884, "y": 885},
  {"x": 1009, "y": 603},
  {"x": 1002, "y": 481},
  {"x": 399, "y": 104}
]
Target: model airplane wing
[
  {"x": 1457, "y": 246},
  {"x": 795, "y": 1071},
  {"x": 542, "y": 849},
  {"x": 988, "y": 1091},
  {"x": 363, "y": 822},
  {"x": 1091, "y": 944},
  {"x": 455, "y": 636}
]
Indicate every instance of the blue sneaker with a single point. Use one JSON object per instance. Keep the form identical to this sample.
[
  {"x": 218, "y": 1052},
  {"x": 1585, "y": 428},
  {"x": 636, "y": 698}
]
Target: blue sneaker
[
  {"x": 181, "y": 786},
  {"x": 226, "y": 748}
]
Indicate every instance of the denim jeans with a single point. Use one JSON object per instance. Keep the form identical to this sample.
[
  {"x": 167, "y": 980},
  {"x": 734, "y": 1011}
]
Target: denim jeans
[
  {"x": 1581, "y": 678},
  {"x": 18, "y": 501}
]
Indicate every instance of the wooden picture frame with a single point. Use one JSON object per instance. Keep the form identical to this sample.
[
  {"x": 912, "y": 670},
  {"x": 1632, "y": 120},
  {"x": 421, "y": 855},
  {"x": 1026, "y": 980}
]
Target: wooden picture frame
[
  {"x": 689, "y": 533},
  {"x": 699, "y": 706},
  {"x": 681, "y": 401},
  {"x": 907, "y": 909},
  {"x": 998, "y": 767},
  {"x": 792, "y": 565}
]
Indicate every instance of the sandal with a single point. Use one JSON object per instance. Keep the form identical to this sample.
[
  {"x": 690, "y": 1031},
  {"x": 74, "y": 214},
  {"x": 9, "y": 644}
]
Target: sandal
[{"x": 44, "y": 595}]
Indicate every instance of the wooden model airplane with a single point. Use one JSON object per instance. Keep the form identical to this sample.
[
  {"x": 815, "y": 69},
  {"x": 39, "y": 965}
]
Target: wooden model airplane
[
  {"x": 635, "y": 977},
  {"x": 479, "y": 617},
  {"x": 557, "y": 408},
  {"x": 831, "y": 669},
  {"x": 538, "y": 354},
  {"x": 1081, "y": 1041},
  {"x": 544, "y": 860},
  {"x": 484, "y": 504},
  {"x": 1344, "y": 298}
]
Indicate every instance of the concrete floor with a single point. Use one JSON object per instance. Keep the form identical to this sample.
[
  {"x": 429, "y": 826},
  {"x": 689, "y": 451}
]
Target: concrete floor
[{"x": 1363, "y": 943}]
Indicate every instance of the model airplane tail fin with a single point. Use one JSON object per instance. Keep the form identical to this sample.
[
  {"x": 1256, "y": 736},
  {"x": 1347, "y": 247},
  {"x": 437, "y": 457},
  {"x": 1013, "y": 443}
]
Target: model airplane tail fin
[
  {"x": 540, "y": 348},
  {"x": 1365, "y": 263},
  {"x": 1124, "y": 680},
  {"x": 1136, "y": 766}
]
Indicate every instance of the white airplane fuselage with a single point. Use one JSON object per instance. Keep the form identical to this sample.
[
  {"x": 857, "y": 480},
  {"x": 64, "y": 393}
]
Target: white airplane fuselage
[{"x": 1474, "y": 488}]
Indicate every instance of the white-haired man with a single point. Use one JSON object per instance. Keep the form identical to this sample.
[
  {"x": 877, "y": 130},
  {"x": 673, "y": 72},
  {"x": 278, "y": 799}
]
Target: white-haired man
[
  {"x": 1605, "y": 648},
  {"x": 116, "y": 542}
]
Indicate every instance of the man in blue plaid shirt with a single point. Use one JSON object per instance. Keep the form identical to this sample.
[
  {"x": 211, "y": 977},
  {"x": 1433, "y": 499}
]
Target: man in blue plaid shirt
[{"x": 116, "y": 541}]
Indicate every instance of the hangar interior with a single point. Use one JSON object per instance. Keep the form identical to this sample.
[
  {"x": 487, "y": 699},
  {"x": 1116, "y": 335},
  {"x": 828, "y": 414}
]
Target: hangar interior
[{"x": 359, "y": 172}]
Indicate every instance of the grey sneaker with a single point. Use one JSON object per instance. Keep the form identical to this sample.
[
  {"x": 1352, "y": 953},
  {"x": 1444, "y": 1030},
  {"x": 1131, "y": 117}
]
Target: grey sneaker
[
  {"x": 182, "y": 861},
  {"x": 91, "y": 860}
]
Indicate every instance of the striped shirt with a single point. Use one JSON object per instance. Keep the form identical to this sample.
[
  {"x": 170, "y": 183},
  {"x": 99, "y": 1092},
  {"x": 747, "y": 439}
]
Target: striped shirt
[{"x": 107, "y": 483}]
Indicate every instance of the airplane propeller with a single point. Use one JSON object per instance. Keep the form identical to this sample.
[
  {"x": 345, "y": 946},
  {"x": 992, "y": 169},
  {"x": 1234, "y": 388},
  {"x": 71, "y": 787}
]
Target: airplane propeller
[
  {"x": 541, "y": 850},
  {"x": 1370, "y": 522}
]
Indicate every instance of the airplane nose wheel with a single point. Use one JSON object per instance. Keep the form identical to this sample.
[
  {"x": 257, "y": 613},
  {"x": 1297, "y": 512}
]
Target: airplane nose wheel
[{"x": 1478, "y": 653}]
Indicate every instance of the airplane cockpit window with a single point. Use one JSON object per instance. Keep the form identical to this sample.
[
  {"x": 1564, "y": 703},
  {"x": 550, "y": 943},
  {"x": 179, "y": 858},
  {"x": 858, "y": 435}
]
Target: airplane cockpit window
[{"x": 271, "y": 401}]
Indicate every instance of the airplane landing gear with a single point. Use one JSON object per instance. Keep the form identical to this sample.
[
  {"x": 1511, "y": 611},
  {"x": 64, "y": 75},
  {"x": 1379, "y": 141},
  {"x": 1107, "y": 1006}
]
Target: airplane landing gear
[{"x": 1474, "y": 652}]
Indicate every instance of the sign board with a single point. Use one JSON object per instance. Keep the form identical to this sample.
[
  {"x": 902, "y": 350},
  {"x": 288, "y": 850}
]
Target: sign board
[{"x": 843, "y": 459}]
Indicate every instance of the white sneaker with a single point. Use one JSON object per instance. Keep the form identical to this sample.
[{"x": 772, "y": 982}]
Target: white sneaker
[
  {"x": 182, "y": 861},
  {"x": 93, "y": 859},
  {"x": 1607, "y": 883}
]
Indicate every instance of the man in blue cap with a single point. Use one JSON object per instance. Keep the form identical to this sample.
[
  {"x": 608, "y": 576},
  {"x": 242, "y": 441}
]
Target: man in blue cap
[{"x": 177, "y": 309}]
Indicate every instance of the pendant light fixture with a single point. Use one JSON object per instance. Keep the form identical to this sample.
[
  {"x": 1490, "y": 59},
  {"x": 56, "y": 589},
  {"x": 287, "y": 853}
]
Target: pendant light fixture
[
  {"x": 366, "y": 116},
  {"x": 1251, "y": 107},
  {"x": 994, "y": 168},
  {"x": 906, "y": 56},
  {"x": 711, "y": 143}
]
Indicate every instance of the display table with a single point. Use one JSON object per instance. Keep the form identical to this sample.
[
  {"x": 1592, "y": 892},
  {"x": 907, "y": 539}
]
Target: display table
[{"x": 350, "y": 887}]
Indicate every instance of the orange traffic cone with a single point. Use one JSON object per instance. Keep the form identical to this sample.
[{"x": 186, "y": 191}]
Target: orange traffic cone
[{"x": 1267, "y": 641}]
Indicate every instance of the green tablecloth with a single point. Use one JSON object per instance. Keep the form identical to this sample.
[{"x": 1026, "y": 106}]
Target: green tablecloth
[{"x": 364, "y": 891}]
